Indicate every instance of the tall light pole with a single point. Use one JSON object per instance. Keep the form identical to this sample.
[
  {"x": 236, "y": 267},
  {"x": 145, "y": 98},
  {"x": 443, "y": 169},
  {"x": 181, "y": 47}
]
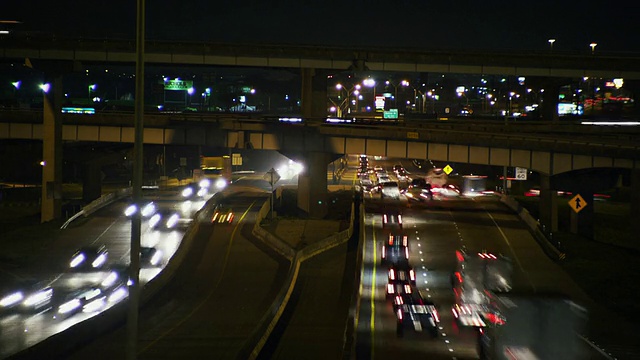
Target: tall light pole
[
  {"x": 354, "y": 90},
  {"x": 136, "y": 219},
  {"x": 92, "y": 88},
  {"x": 551, "y": 41},
  {"x": 593, "y": 47},
  {"x": 369, "y": 82}
]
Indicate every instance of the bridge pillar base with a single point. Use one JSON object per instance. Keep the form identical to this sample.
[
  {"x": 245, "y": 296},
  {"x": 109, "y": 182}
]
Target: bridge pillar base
[
  {"x": 314, "y": 94},
  {"x": 635, "y": 202},
  {"x": 548, "y": 205},
  {"x": 92, "y": 183},
  {"x": 312, "y": 185},
  {"x": 51, "y": 199}
]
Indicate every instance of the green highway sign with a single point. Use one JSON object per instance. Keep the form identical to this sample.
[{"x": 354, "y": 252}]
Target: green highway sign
[{"x": 175, "y": 84}]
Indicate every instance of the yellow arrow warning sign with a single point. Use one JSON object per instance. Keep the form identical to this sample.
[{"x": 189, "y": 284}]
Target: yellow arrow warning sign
[{"x": 577, "y": 203}]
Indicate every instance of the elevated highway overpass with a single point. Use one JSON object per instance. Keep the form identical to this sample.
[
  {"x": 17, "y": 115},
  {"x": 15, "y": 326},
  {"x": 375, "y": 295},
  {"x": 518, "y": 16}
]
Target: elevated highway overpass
[
  {"x": 530, "y": 63},
  {"x": 546, "y": 147},
  {"x": 550, "y": 149}
]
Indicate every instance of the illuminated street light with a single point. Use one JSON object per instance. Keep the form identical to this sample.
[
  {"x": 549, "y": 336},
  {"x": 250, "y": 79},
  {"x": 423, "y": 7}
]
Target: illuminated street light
[
  {"x": 551, "y": 41},
  {"x": 593, "y": 47},
  {"x": 369, "y": 82},
  {"x": 191, "y": 90},
  {"x": 45, "y": 87},
  {"x": 16, "y": 84},
  {"x": 92, "y": 87}
]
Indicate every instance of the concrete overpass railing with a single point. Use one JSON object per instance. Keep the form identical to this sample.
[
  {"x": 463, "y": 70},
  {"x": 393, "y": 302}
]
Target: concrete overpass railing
[
  {"x": 269, "y": 321},
  {"x": 552, "y": 250},
  {"x": 98, "y": 204}
]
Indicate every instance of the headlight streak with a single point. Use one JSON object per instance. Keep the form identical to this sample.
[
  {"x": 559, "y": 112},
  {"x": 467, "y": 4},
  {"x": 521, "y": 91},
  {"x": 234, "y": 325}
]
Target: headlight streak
[{"x": 77, "y": 260}]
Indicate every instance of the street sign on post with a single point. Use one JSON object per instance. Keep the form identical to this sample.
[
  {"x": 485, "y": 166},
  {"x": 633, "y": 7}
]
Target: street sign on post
[
  {"x": 447, "y": 169},
  {"x": 521, "y": 173},
  {"x": 272, "y": 177}
]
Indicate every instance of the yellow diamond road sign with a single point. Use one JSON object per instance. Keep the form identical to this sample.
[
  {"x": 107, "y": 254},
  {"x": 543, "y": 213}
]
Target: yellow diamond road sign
[
  {"x": 448, "y": 169},
  {"x": 577, "y": 203}
]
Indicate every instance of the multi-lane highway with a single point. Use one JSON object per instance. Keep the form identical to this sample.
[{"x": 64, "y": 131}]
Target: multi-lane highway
[
  {"x": 108, "y": 227},
  {"x": 435, "y": 231},
  {"x": 228, "y": 280}
]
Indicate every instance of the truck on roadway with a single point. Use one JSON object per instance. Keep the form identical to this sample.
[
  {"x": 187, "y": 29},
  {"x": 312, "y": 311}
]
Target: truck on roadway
[{"x": 528, "y": 327}]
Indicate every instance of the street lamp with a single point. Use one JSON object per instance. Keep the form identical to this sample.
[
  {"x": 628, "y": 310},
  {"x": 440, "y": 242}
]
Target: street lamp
[
  {"x": 369, "y": 82},
  {"x": 404, "y": 83},
  {"x": 551, "y": 41},
  {"x": 345, "y": 102},
  {"x": 593, "y": 47},
  {"x": 92, "y": 87},
  {"x": 45, "y": 87}
]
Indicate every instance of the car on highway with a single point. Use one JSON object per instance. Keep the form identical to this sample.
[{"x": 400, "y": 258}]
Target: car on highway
[
  {"x": 147, "y": 210},
  {"x": 165, "y": 219},
  {"x": 395, "y": 249},
  {"x": 92, "y": 257},
  {"x": 222, "y": 215},
  {"x": 398, "y": 168},
  {"x": 413, "y": 313},
  {"x": 392, "y": 220},
  {"x": 150, "y": 256},
  {"x": 402, "y": 272},
  {"x": 366, "y": 184},
  {"x": 76, "y": 301},
  {"x": 395, "y": 288},
  {"x": 26, "y": 296},
  {"x": 389, "y": 189}
]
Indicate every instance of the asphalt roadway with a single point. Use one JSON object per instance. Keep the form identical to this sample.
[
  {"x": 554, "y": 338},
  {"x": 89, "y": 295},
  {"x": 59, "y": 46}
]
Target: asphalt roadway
[{"x": 217, "y": 297}]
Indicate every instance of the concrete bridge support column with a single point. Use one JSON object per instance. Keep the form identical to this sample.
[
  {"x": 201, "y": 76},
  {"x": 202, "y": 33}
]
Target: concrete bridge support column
[
  {"x": 314, "y": 94},
  {"x": 550, "y": 101},
  {"x": 548, "y": 205},
  {"x": 312, "y": 185},
  {"x": 582, "y": 222},
  {"x": 635, "y": 202},
  {"x": 92, "y": 182},
  {"x": 51, "y": 203}
]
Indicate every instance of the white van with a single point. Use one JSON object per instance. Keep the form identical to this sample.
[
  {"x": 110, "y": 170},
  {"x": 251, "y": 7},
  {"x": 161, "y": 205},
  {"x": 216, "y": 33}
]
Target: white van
[{"x": 389, "y": 189}]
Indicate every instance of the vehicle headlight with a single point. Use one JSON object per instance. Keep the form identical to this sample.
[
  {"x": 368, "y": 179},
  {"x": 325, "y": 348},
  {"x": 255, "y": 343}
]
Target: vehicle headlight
[
  {"x": 204, "y": 183},
  {"x": 38, "y": 298},
  {"x": 69, "y": 306},
  {"x": 154, "y": 220},
  {"x": 118, "y": 294},
  {"x": 101, "y": 259},
  {"x": 221, "y": 184},
  {"x": 172, "y": 221},
  {"x": 187, "y": 192},
  {"x": 155, "y": 259},
  {"x": 130, "y": 210},
  {"x": 11, "y": 299},
  {"x": 148, "y": 209},
  {"x": 77, "y": 260},
  {"x": 110, "y": 279}
]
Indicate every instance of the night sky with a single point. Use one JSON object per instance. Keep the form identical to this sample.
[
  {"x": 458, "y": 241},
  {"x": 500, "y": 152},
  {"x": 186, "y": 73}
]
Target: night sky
[{"x": 468, "y": 25}]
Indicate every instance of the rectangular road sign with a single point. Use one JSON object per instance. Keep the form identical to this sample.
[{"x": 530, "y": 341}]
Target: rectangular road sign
[
  {"x": 236, "y": 159},
  {"x": 521, "y": 173}
]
